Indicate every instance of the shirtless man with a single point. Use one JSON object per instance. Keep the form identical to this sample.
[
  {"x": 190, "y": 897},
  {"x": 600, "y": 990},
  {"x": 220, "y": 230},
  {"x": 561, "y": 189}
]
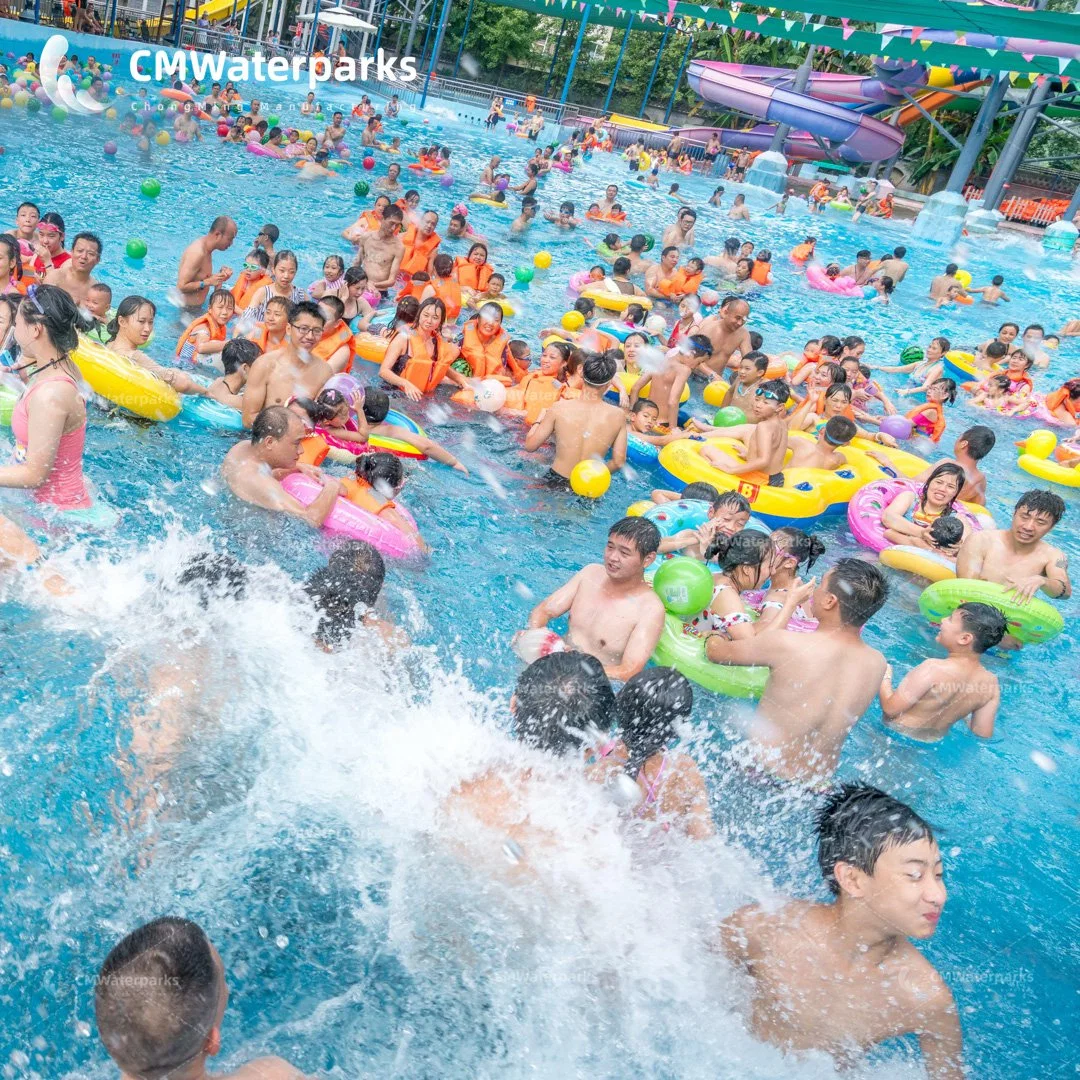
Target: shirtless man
[
  {"x": 334, "y": 133},
  {"x": 936, "y": 694},
  {"x": 823, "y": 453},
  {"x": 767, "y": 442},
  {"x": 584, "y": 427},
  {"x": 803, "y": 718},
  {"x": 638, "y": 263},
  {"x": 860, "y": 268},
  {"x": 196, "y": 276},
  {"x": 74, "y": 276},
  {"x": 1018, "y": 556},
  {"x": 968, "y": 450},
  {"x": 681, "y": 233},
  {"x": 727, "y": 332},
  {"x": 843, "y": 977},
  {"x": 291, "y": 371},
  {"x": 611, "y": 196},
  {"x": 380, "y": 253},
  {"x": 254, "y": 469},
  {"x": 657, "y": 272},
  {"x": 614, "y": 614},
  {"x": 160, "y": 999},
  {"x": 490, "y": 172},
  {"x": 895, "y": 266},
  {"x": 939, "y": 287}
]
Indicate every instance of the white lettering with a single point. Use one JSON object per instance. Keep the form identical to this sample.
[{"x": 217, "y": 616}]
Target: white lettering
[
  {"x": 277, "y": 69},
  {"x": 238, "y": 70},
  {"x": 297, "y": 63},
  {"x": 135, "y": 66},
  {"x": 319, "y": 70},
  {"x": 408, "y": 69},
  {"x": 346, "y": 70},
  {"x": 166, "y": 71},
  {"x": 208, "y": 66}
]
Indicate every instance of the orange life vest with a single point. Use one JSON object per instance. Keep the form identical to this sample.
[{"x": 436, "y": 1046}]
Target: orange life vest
[
  {"x": 418, "y": 252},
  {"x": 597, "y": 341},
  {"x": 801, "y": 252},
  {"x": 1060, "y": 398},
  {"x": 359, "y": 493},
  {"x": 186, "y": 345},
  {"x": 932, "y": 416},
  {"x": 449, "y": 292},
  {"x": 313, "y": 450},
  {"x": 885, "y": 207},
  {"x": 534, "y": 394},
  {"x": 471, "y": 276},
  {"x": 418, "y": 367},
  {"x": 373, "y": 220},
  {"x": 330, "y": 342},
  {"x": 760, "y": 274},
  {"x": 486, "y": 358},
  {"x": 244, "y": 287},
  {"x": 679, "y": 283},
  {"x": 412, "y": 288},
  {"x": 819, "y": 192},
  {"x": 261, "y": 336},
  {"x": 819, "y": 408},
  {"x": 612, "y": 215}
]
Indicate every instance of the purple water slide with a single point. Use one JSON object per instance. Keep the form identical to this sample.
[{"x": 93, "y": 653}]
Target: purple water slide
[
  {"x": 854, "y": 136},
  {"x": 799, "y": 144},
  {"x": 831, "y": 85}
]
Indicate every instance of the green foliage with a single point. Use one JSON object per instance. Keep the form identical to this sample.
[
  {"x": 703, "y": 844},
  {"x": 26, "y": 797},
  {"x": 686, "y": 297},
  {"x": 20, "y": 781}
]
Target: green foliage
[{"x": 497, "y": 35}]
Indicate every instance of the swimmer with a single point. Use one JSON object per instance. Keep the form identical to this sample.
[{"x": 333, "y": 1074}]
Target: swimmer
[
  {"x": 792, "y": 548},
  {"x": 803, "y": 719},
  {"x": 160, "y": 999},
  {"x": 728, "y": 514},
  {"x": 614, "y": 614},
  {"x": 611, "y": 197},
  {"x": 681, "y": 232},
  {"x": 74, "y": 276},
  {"x": 824, "y": 453},
  {"x": 129, "y": 331},
  {"x": 521, "y": 223},
  {"x": 749, "y": 373},
  {"x": 564, "y": 219},
  {"x": 254, "y": 469},
  {"x": 196, "y": 276},
  {"x": 739, "y": 211},
  {"x": 236, "y": 358},
  {"x": 766, "y": 446},
  {"x": 860, "y": 269},
  {"x": 939, "y": 286},
  {"x": 368, "y": 221},
  {"x": 937, "y": 693},
  {"x": 968, "y": 450},
  {"x": 1018, "y": 557},
  {"x": 379, "y": 478},
  {"x": 643, "y": 421},
  {"x": 842, "y": 977},
  {"x": 937, "y": 498},
  {"x": 661, "y": 271},
  {"x": 727, "y": 331},
  {"x": 992, "y": 293},
  {"x": 27, "y": 216},
  {"x": 490, "y": 171},
  {"x": 381, "y": 252},
  {"x": 894, "y": 266},
  {"x": 667, "y": 383},
  {"x": 376, "y": 407},
  {"x": 206, "y": 335}
]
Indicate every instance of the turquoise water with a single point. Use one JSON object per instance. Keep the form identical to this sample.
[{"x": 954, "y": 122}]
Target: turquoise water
[{"x": 298, "y": 822}]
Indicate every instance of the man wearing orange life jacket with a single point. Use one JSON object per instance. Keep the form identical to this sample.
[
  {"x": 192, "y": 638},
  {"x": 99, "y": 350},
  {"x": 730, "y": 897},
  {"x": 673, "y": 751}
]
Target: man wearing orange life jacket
[
  {"x": 336, "y": 344},
  {"x": 270, "y": 333},
  {"x": 418, "y": 361},
  {"x": 485, "y": 346},
  {"x": 662, "y": 271},
  {"x": 683, "y": 282},
  {"x": 443, "y": 285},
  {"x": 206, "y": 336},
  {"x": 421, "y": 243},
  {"x": 818, "y": 197},
  {"x": 474, "y": 271}
]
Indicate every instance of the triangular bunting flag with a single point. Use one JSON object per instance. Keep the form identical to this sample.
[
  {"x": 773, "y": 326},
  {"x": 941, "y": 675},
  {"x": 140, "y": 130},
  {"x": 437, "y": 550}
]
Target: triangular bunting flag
[
  {"x": 847, "y": 32},
  {"x": 789, "y": 23},
  {"x": 886, "y": 40},
  {"x": 915, "y": 32},
  {"x": 1028, "y": 56},
  {"x": 925, "y": 45},
  {"x": 761, "y": 17},
  {"x": 1063, "y": 63},
  {"x": 844, "y": 23},
  {"x": 991, "y": 52}
]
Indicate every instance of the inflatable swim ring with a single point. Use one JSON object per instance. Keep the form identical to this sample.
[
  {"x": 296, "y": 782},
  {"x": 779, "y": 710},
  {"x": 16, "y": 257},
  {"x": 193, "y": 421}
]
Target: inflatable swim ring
[
  {"x": 611, "y": 301},
  {"x": 348, "y": 519},
  {"x": 816, "y": 278},
  {"x": 210, "y": 413},
  {"x": 756, "y": 597},
  {"x": 1040, "y": 464},
  {"x": 901, "y": 462},
  {"x": 915, "y": 560},
  {"x": 843, "y": 207},
  {"x": 1031, "y": 623},
  {"x": 628, "y": 380},
  {"x": 489, "y": 202},
  {"x": 9, "y": 396},
  {"x": 960, "y": 365},
  {"x": 370, "y": 347},
  {"x": 124, "y": 383},
  {"x": 686, "y": 653},
  {"x": 474, "y": 303}
]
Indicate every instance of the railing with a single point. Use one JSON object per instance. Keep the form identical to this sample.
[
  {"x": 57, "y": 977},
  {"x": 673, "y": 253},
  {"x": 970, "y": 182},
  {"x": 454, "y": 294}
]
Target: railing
[{"x": 1040, "y": 212}]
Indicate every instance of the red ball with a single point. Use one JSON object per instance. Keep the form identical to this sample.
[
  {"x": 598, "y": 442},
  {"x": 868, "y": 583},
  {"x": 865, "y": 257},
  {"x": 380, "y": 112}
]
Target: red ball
[
  {"x": 222, "y": 130},
  {"x": 369, "y": 163}
]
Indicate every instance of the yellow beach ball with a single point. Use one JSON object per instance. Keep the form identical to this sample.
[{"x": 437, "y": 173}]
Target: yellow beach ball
[
  {"x": 964, "y": 277},
  {"x": 590, "y": 478},
  {"x": 714, "y": 392},
  {"x": 110, "y": 114},
  {"x": 162, "y": 138},
  {"x": 5, "y": 103},
  {"x": 573, "y": 321},
  {"x": 542, "y": 260}
]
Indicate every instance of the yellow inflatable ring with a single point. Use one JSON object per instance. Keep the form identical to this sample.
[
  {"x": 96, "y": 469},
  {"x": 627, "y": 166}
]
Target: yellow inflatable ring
[
  {"x": 124, "y": 383},
  {"x": 918, "y": 561},
  {"x": 475, "y": 303},
  {"x": 1042, "y": 466},
  {"x": 610, "y": 301},
  {"x": 901, "y": 462},
  {"x": 489, "y": 202},
  {"x": 628, "y": 381}
]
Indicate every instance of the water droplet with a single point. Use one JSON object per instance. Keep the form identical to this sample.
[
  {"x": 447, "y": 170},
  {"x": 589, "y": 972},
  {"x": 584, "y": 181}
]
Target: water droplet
[
  {"x": 523, "y": 590},
  {"x": 512, "y": 851},
  {"x": 82, "y": 1029},
  {"x": 281, "y": 941},
  {"x": 1044, "y": 761},
  {"x": 263, "y": 932}
]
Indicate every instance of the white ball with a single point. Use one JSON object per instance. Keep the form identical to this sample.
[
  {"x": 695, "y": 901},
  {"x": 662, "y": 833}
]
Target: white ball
[
  {"x": 490, "y": 395},
  {"x": 656, "y": 324}
]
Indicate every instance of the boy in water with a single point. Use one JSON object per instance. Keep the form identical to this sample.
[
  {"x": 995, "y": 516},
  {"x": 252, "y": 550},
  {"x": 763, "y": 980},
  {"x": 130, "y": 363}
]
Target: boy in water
[
  {"x": 236, "y": 358},
  {"x": 766, "y": 446},
  {"x": 968, "y": 450},
  {"x": 824, "y": 453},
  {"x": 749, "y": 372},
  {"x": 160, "y": 999},
  {"x": 936, "y": 694},
  {"x": 666, "y": 386},
  {"x": 728, "y": 514},
  {"x": 842, "y": 977}
]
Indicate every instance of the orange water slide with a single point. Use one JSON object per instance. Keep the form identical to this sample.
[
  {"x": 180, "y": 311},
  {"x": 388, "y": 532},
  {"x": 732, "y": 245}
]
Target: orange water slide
[{"x": 935, "y": 99}]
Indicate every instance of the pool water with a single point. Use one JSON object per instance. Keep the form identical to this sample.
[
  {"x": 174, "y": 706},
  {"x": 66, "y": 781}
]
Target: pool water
[{"x": 294, "y": 810}]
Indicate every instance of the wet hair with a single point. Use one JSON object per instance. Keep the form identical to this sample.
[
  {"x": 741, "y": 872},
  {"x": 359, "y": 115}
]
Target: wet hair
[
  {"x": 777, "y": 387},
  {"x": 943, "y": 343},
  {"x": 731, "y": 246},
  {"x": 407, "y": 310},
  {"x": 729, "y": 500},
  {"x": 641, "y": 532},
  {"x": 334, "y": 305},
  {"x": 650, "y": 706},
  {"x": 764, "y": 255},
  {"x": 860, "y": 589},
  {"x": 801, "y": 546},
  {"x": 997, "y": 279},
  {"x": 951, "y": 269},
  {"x": 306, "y": 307},
  {"x": 1015, "y": 326},
  {"x": 1028, "y": 361},
  {"x": 585, "y": 306},
  {"x": 831, "y": 345},
  {"x": 700, "y": 345},
  {"x": 1033, "y": 326},
  {"x": 840, "y": 430},
  {"x": 748, "y": 547},
  {"x": 995, "y": 350},
  {"x": 635, "y": 314},
  {"x": 1042, "y": 502},
  {"x": 642, "y": 404},
  {"x": 353, "y": 576},
  {"x": 271, "y": 423},
  {"x": 703, "y": 492},
  {"x": 760, "y": 360},
  {"x": 985, "y": 623},
  {"x": 443, "y": 265},
  {"x": 560, "y": 696},
  {"x": 621, "y": 265},
  {"x": 839, "y": 389},
  {"x": 214, "y": 575},
  {"x": 566, "y": 207},
  {"x": 946, "y": 531},
  {"x": 393, "y": 213},
  {"x": 127, "y": 307},
  {"x": 599, "y": 370},
  {"x": 94, "y": 239},
  {"x": 156, "y": 997},
  {"x": 11, "y": 246},
  {"x": 756, "y": 340},
  {"x": 946, "y": 468},
  {"x": 376, "y": 404},
  {"x": 731, "y": 300},
  {"x": 237, "y": 352},
  {"x": 382, "y": 470},
  {"x": 980, "y": 441},
  {"x": 285, "y": 255},
  {"x": 1001, "y": 382},
  {"x": 271, "y": 232},
  {"x": 221, "y": 294},
  {"x": 858, "y": 823},
  {"x": 258, "y": 255},
  {"x": 638, "y": 242},
  {"x": 58, "y": 315},
  {"x": 949, "y": 386},
  {"x": 282, "y": 302},
  {"x": 355, "y": 274}
]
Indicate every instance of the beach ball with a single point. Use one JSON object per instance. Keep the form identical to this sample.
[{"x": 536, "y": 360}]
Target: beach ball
[
  {"x": 708, "y": 297},
  {"x": 573, "y": 321},
  {"x": 273, "y": 121},
  {"x": 590, "y": 479},
  {"x": 542, "y": 260},
  {"x": 345, "y": 153},
  {"x": 162, "y": 138},
  {"x": 899, "y": 427},
  {"x": 110, "y": 148},
  {"x": 84, "y": 82},
  {"x": 911, "y": 355},
  {"x": 685, "y": 586},
  {"x": 728, "y": 416},
  {"x": 41, "y": 96},
  {"x": 490, "y": 395},
  {"x": 110, "y": 113},
  {"x": 1040, "y": 443},
  {"x": 22, "y": 98},
  {"x": 369, "y": 163},
  {"x": 222, "y": 131},
  {"x": 655, "y": 324},
  {"x": 5, "y": 103},
  {"x": 136, "y": 248},
  {"x": 461, "y": 366},
  {"x": 638, "y": 508},
  {"x": 33, "y": 105},
  {"x": 964, "y": 277},
  {"x": 106, "y": 76},
  {"x": 150, "y": 187},
  {"x": 361, "y": 188},
  {"x": 502, "y": 184},
  {"x": 181, "y": 136},
  {"x": 650, "y": 243},
  {"x": 714, "y": 392},
  {"x": 524, "y": 274},
  {"x": 404, "y": 122},
  {"x": 121, "y": 92}
]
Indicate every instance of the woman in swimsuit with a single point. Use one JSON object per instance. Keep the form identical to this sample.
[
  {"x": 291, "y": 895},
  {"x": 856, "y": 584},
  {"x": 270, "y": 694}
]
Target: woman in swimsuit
[
  {"x": 909, "y": 515},
  {"x": 661, "y": 784},
  {"x": 129, "y": 331}
]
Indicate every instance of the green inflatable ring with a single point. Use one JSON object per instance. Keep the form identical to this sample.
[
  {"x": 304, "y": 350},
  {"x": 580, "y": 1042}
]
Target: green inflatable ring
[
  {"x": 604, "y": 251},
  {"x": 686, "y": 653},
  {"x": 1031, "y": 623},
  {"x": 836, "y": 204}
]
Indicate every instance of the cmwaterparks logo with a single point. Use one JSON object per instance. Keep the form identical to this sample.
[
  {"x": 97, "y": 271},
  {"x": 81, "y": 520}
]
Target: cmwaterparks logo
[{"x": 59, "y": 87}]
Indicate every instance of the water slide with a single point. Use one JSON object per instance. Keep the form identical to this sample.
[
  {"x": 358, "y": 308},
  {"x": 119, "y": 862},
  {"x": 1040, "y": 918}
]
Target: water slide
[{"x": 215, "y": 10}]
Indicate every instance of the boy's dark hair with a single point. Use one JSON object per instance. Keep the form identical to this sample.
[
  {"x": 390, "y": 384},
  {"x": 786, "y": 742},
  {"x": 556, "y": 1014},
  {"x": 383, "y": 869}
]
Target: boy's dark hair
[
  {"x": 376, "y": 404},
  {"x": 644, "y": 403},
  {"x": 621, "y": 265},
  {"x": 1042, "y": 502},
  {"x": 733, "y": 500},
  {"x": 997, "y": 279},
  {"x": 946, "y": 531},
  {"x": 996, "y": 350},
  {"x": 599, "y": 370},
  {"x": 258, "y": 255},
  {"x": 951, "y": 269},
  {"x": 985, "y": 623},
  {"x": 756, "y": 340},
  {"x": 860, "y": 590},
  {"x": 334, "y": 304},
  {"x": 353, "y": 576},
  {"x": 561, "y": 696},
  {"x": 238, "y": 352},
  {"x": 641, "y": 532},
  {"x": 980, "y": 441},
  {"x": 443, "y": 265},
  {"x": 761, "y": 361},
  {"x": 858, "y": 823},
  {"x": 700, "y": 345},
  {"x": 839, "y": 430},
  {"x": 777, "y": 387},
  {"x": 702, "y": 492},
  {"x": 305, "y": 307}
]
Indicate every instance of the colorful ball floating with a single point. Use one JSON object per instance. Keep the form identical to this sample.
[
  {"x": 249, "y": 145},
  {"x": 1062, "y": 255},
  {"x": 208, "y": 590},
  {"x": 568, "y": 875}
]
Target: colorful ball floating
[
  {"x": 369, "y": 163},
  {"x": 502, "y": 184},
  {"x": 713, "y": 394},
  {"x": 898, "y": 427},
  {"x": 964, "y": 277},
  {"x": 84, "y": 83},
  {"x": 446, "y": 181},
  {"x": 650, "y": 242},
  {"x": 708, "y": 297},
  {"x": 110, "y": 148},
  {"x": 490, "y": 395},
  {"x": 685, "y": 586},
  {"x": 22, "y": 98},
  {"x": 638, "y": 508},
  {"x": 728, "y": 416},
  {"x": 136, "y": 248},
  {"x": 361, "y": 188},
  {"x": 273, "y": 121},
  {"x": 222, "y": 130},
  {"x": 542, "y": 260},
  {"x": 33, "y": 105},
  {"x": 524, "y": 274},
  {"x": 5, "y": 103},
  {"x": 162, "y": 138},
  {"x": 110, "y": 113},
  {"x": 150, "y": 187},
  {"x": 591, "y": 478},
  {"x": 573, "y": 321}
]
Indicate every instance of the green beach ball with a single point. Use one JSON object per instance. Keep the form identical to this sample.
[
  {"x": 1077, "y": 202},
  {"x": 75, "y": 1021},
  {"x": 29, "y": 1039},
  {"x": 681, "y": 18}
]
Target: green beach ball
[
  {"x": 684, "y": 585},
  {"x": 524, "y": 274},
  {"x": 136, "y": 248},
  {"x": 729, "y": 416},
  {"x": 150, "y": 187},
  {"x": 361, "y": 188}
]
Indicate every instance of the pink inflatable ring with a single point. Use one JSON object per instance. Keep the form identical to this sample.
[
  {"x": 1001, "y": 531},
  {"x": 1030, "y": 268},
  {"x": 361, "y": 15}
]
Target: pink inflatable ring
[{"x": 868, "y": 504}]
